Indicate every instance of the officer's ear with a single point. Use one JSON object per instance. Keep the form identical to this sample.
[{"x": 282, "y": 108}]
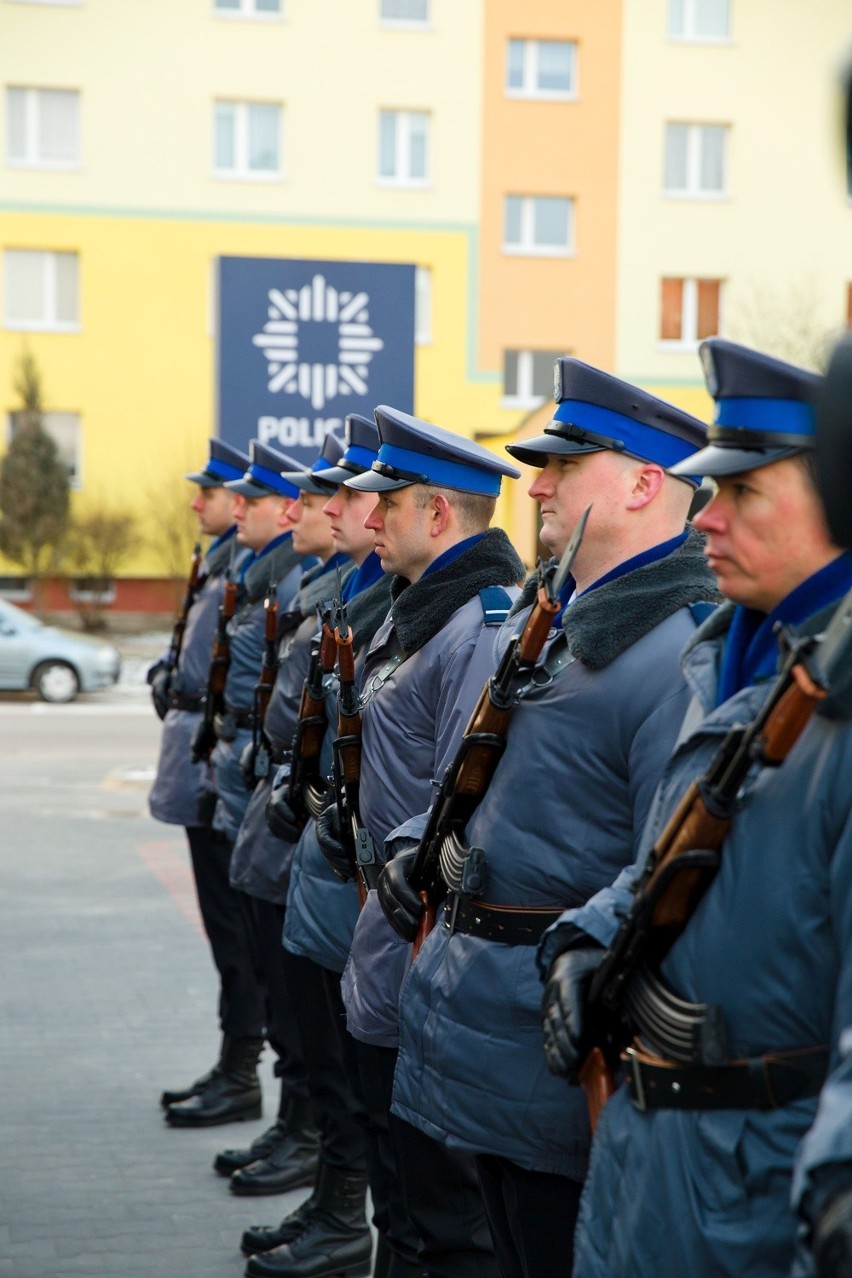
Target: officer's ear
[
  {"x": 648, "y": 479},
  {"x": 440, "y": 514}
]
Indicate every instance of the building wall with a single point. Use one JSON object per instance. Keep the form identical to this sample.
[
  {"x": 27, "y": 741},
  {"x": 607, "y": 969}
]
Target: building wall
[{"x": 780, "y": 238}]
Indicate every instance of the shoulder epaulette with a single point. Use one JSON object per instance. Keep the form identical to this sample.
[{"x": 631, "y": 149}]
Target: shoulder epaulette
[{"x": 496, "y": 605}]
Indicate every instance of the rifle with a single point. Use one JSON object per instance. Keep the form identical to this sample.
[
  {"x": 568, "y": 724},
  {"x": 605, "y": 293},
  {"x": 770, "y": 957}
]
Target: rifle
[
  {"x": 176, "y": 643},
  {"x": 347, "y": 762},
  {"x": 220, "y": 659},
  {"x": 469, "y": 775},
  {"x": 263, "y": 687},
  {"x": 306, "y": 791},
  {"x": 687, "y": 854}
]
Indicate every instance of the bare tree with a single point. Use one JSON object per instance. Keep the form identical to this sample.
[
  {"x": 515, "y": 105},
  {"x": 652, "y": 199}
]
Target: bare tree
[{"x": 99, "y": 541}]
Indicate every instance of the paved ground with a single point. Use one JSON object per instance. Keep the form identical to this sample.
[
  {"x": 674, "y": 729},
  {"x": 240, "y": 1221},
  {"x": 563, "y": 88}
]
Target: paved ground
[{"x": 107, "y": 994}]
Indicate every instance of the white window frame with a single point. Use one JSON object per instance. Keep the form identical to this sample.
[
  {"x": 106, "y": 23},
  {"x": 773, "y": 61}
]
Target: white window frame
[
  {"x": 422, "y": 306},
  {"x": 407, "y": 24},
  {"x": 527, "y": 246},
  {"x": 689, "y": 339},
  {"x": 689, "y": 35},
  {"x": 241, "y": 172},
  {"x": 48, "y": 295},
  {"x": 32, "y": 129},
  {"x": 247, "y": 10},
  {"x": 525, "y": 396},
  {"x": 694, "y": 147},
  {"x": 529, "y": 89},
  {"x": 402, "y": 152},
  {"x": 75, "y": 478}
]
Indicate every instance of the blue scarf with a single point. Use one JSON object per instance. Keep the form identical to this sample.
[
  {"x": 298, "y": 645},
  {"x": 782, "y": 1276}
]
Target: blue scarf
[
  {"x": 751, "y": 649},
  {"x": 454, "y": 553},
  {"x": 220, "y": 541},
  {"x": 365, "y": 575},
  {"x": 254, "y": 555}
]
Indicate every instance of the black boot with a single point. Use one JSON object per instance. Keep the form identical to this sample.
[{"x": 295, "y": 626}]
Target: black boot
[
  {"x": 291, "y": 1163},
  {"x": 231, "y": 1160},
  {"x": 195, "y": 1089},
  {"x": 234, "y": 1095},
  {"x": 259, "y": 1238},
  {"x": 336, "y": 1240}
]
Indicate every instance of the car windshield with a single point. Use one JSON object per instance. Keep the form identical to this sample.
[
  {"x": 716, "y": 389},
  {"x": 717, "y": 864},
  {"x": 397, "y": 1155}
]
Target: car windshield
[{"x": 12, "y": 618}]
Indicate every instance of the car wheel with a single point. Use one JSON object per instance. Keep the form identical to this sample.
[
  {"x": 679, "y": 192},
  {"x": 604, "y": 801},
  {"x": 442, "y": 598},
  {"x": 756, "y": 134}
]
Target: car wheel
[{"x": 56, "y": 681}]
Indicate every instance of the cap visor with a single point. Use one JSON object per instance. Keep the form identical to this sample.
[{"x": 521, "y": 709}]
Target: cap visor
[
  {"x": 306, "y": 481},
  {"x": 247, "y": 489},
  {"x": 336, "y": 475},
  {"x": 713, "y": 461},
  {"x": 533, "y": 452},
  {"x": 204, "y": 480},
  {"x": 372, "y": 482}
]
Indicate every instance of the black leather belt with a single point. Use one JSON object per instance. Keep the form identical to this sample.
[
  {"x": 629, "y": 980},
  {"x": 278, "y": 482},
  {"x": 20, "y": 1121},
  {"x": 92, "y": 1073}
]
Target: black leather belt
[
  {"x": 507, "y": 923},
  {"x": 281, "y": 754},
  {"x": 184, "y": 701},
  {"x": 760, "y": 1082},
  {"x": 227, "y": 725}
]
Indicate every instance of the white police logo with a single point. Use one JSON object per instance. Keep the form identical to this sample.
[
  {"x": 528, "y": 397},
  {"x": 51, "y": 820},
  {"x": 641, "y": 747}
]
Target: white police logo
[{"x": 318, "y": 342}]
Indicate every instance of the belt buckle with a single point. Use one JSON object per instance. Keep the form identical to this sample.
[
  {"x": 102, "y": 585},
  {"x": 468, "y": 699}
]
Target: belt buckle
[
  {"x": 638, "y": 1096},
  {"x": 451, "y": 912}
]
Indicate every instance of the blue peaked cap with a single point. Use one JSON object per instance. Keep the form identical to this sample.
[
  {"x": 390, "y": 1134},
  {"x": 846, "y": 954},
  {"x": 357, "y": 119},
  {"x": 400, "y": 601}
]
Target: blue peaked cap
[
  {"x": 412, "y": 451},
  {"x": 596, "y": 411},
  {"x": 362, "y": 449},
  {"x": 765, "y": 409},
  {"x": 263, "y": 476},
  {"x": 309, "y": 481},
  {"x": 225, "y": 462}
]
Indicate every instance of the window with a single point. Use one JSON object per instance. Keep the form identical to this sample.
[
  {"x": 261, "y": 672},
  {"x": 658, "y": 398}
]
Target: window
[
  {"x": 247, "y": 140},
  {"x": 541, "y": 69},
  {"x": 404, "y": 147},
  {"x": 43, "y": 128},
  {"x": 698, "y": 20},
  {"x": 41, "y": 290},
  {"x": 248, "y": 8},
  {"x": 695, "y": 159},
  {"x": 528, "y": 376},
  {"x": 64, "y": 429},
  {"x": 422, "y": 305},
  {"x": 689, "y": 310},
  {"x": 538, "y": 224},
  {"x": 409, "y": 12}
]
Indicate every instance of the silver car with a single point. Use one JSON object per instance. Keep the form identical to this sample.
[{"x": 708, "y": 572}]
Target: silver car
[{"x": 56, "y": 663}]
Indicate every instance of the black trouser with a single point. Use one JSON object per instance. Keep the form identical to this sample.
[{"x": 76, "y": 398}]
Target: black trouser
[
  {"x": 241, "y": 1005},
  {"x": 314, "y": 994},
  {"x": 532, "y": 1217},
  {"x": 266, "y": 922},
  {"x": 435, "y": 1189}
]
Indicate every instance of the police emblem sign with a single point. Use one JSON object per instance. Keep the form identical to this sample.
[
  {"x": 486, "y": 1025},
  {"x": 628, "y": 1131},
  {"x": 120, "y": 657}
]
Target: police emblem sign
[{"x": 303, "y": 343}]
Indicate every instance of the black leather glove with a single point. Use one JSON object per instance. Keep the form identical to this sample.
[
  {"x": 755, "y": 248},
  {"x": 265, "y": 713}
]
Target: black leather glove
[
  {"x": 202, "y": 742},
  {"x": 833, "y": 1237},
  {"x": 160, "y": 682},
  {"x": 401, "y": 904},
  {"x": 331, "y": 843},
  {"x": 280, "y": 817},
  {"x": 563, "y": 1009}
]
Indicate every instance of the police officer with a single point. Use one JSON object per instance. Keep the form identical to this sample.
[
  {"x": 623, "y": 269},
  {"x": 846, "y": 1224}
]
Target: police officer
[
  {"x": 586, "y": 744},
  {"x": 285, "y": 1156},
  {"x": 694, "y": 1155},
  {"x": 453, "y": 575},
  {"x": 329, "y": 1230},
  {"x": 263, "y": 499},
  {"x": 179, "y": 695}
]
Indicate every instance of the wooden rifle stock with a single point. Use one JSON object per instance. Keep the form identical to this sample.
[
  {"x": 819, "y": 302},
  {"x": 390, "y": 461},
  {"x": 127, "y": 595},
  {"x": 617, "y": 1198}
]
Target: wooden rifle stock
[
  {"x": 312, "y": 723},
  {"x": 220, "y": 659},
  {"x": 685, "y": 859},
  {"x": 176, "y": 642}
]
